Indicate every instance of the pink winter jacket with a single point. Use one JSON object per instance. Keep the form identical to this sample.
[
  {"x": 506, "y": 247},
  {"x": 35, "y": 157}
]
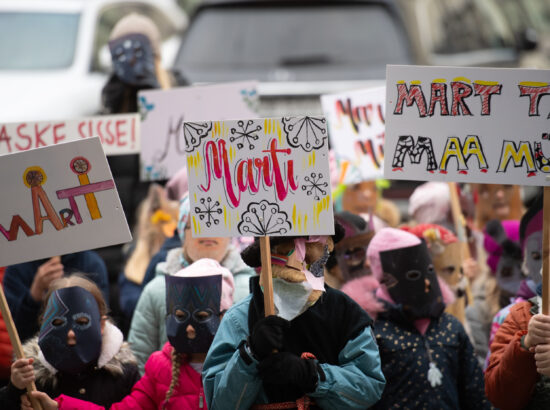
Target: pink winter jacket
[{"x": 150, "y": 391}]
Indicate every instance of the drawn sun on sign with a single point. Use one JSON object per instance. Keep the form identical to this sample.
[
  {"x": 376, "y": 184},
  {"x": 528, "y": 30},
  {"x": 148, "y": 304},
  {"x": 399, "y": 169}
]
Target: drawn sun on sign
[
  {"x": 34, "y": 176},
  {"x": 80, "y": 165}
]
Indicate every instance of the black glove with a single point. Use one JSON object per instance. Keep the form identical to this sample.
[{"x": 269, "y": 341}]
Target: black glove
[
  {"x": 287, "y": 368},
  {"x": 267, "y": 336}
]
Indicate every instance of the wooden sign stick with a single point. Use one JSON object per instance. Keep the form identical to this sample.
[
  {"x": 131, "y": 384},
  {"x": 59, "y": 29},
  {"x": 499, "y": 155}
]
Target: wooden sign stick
[
  {"x": 546, "y": 253},
  {"x": 265, "y": 279},
  {"x": 458, "y": 220},
  {"x": 16, "y": 342}
]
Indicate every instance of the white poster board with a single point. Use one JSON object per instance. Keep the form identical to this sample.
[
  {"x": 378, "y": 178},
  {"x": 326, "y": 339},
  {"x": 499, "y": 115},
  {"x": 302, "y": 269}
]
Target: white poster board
[
  {"x": 356, "y": 128},
  {"x": 260, "y": 177},
  {"x": 163, "y": 113},
  {"x": 119, "y": 133},
  {"x": 484, "y": 125},
  {"x": 57, "y": 200}
]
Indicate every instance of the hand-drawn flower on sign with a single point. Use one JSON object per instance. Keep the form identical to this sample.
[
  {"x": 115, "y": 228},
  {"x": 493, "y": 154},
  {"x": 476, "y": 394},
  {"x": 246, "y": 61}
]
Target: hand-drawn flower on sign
[
  {"x": 314, "y": 186},
  {"x": 306, "y": 132},
  {"x": 264, "y": 218},
  {"x": 246, "y": 133},
  {"x": 208, "y": 211},
  {"x": 194, "y": 132}
]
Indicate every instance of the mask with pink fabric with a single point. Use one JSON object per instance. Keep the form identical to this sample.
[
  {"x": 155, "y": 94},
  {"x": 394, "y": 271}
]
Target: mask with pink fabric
[{"x": 298, "y": 274}]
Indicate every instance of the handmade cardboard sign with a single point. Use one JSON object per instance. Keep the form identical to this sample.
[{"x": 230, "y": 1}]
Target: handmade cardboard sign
[
  {"x": 163, "y": 113},
  {"x": 57, "y": 200},
  {"x": 481, "y": 125},
  {"x": 356, "y": 128},
  {"x": 119, "y": 134},
  {"x": 260, "y": 177}
]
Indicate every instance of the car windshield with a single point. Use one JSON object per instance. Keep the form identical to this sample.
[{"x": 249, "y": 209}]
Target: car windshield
[
  {"x": 329, "y": 38},
  {"x": 37, "y": 40}
]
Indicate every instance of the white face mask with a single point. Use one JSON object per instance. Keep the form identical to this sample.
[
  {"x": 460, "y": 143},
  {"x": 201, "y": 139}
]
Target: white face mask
[{"x": 290, "y": 299}]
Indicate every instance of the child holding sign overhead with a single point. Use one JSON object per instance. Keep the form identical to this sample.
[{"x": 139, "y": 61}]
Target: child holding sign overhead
[{"x": 319, "y": 350}]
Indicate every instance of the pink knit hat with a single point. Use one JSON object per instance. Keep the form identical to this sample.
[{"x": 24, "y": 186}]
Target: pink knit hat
[
  {"x": 430, "y": 202},
  {"x": 385, "y": 240},
  {"x": 178, "y": 185},
  {"x": 210, "y": 267}
]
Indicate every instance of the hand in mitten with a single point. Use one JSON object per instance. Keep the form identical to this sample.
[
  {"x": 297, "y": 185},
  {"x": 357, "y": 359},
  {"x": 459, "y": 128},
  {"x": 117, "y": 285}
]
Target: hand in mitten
[
  {"x": 267, "y": 336},
  {"x": 286, "y": 367}
]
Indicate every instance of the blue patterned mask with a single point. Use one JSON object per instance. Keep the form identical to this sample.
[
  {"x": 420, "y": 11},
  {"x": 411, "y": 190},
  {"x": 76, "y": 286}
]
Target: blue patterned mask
[
  {"x": 76, "y": 309},
  {"x": 192, "y": 301},
  {"x": 133, "y": 60}
]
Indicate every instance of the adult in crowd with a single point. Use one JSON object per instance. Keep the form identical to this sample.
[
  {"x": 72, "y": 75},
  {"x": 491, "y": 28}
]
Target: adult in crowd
[
  {"x": 135, "y": 46},
  {"x": 26, "y": 285},
  {"x": 318, "y": 351},
  {"x": 147, "y": 331},
  {"x": 427, "y": 358}
]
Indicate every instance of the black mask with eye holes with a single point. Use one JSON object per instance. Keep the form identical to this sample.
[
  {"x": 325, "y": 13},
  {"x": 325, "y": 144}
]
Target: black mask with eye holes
[
  {"x": 411, "y": 281},
  {"x": 133, "y": 60},
  {"x": 192, "y": 301},
  {"x": 72, "y": 308}
]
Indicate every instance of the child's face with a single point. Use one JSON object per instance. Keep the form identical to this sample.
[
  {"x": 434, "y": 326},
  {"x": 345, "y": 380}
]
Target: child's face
[{"x": 198, "y": 248}]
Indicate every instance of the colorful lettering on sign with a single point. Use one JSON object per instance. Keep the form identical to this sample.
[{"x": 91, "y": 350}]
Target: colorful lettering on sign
[
  {"x": 519, "y": 154},
  {"x": 415, "y": 150},
  {"x": 535, "y": 91},
  {"x": 374, "y": 149},
  {"x": 462, "y": 153},
  {"x": 461, "y": 90},
  {"x": 249, "y": 174},
  {"x": 360, "y": 114},
  {"x": 112, "y": 131},
  {"x": 34, "y": 178}
]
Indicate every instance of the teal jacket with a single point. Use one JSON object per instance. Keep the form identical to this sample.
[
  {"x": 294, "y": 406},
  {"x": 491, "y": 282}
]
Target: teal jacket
[{"x": 356, "y": 382}]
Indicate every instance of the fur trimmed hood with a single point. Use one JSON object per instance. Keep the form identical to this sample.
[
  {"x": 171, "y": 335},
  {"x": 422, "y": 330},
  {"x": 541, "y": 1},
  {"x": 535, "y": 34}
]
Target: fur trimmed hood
[
  {"x": 173, "y": 262},
  {"x": 115, "y": 353}
]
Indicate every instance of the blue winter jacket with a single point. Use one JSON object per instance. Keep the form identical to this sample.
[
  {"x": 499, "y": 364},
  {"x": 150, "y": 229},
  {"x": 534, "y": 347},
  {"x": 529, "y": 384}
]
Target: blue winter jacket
[
  {"x": 18, "y": 280},
  {"x": 356, "y": 382}
]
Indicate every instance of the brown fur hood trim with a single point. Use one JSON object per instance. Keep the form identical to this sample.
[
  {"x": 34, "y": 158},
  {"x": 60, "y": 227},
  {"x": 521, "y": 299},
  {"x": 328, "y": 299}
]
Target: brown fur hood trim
[{"x": 115, "y": 353}]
